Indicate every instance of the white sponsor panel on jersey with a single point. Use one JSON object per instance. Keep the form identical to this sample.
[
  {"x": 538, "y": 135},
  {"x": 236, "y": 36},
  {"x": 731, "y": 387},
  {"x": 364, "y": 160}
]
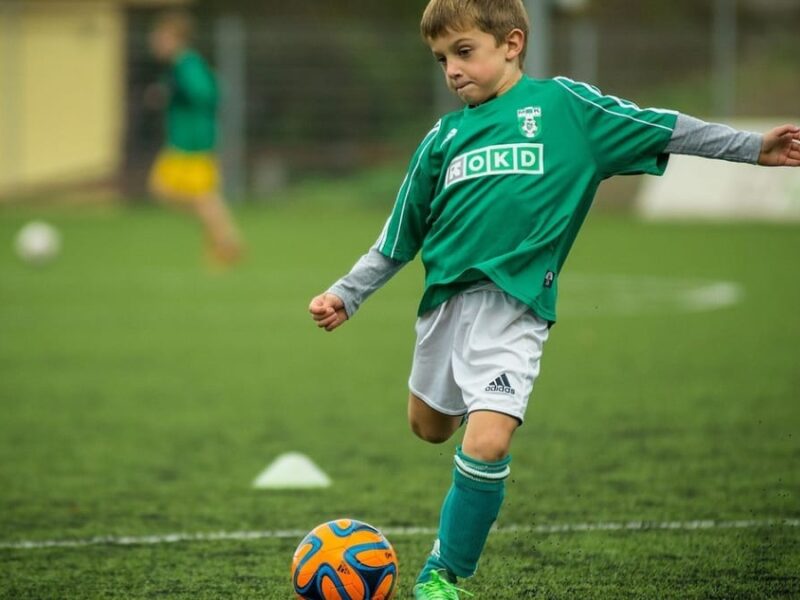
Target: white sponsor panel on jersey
[{"x": 505, "y": 159}]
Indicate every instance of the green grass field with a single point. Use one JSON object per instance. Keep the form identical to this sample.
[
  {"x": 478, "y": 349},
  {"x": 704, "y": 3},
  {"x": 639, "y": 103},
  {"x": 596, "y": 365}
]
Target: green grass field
[{"x": 141, "y": 395}]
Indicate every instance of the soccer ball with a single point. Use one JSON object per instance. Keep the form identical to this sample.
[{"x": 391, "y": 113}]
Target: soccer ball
[
  {"x": 344, "y": 560},
  {"x": 37, "y": 243}
]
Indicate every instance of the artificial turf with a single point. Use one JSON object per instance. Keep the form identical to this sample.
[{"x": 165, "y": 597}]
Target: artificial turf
[{"x": 140, "y": 395}]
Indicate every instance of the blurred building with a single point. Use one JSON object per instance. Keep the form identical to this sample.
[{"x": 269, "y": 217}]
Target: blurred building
[{"x": 63, "y": 67}]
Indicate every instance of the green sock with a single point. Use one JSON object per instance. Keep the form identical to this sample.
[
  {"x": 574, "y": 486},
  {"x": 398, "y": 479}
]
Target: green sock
[{"x": 468, "y": 512}]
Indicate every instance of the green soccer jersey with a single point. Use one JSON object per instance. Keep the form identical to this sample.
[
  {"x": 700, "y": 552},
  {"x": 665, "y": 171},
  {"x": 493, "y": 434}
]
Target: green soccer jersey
[
  {"x": 192, "y": 109},
  {"x": 500, "y": 190}
]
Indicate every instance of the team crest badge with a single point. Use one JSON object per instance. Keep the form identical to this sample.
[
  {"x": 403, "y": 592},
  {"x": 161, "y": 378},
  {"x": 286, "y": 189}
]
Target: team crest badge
[{"x": 530, "y": 121}]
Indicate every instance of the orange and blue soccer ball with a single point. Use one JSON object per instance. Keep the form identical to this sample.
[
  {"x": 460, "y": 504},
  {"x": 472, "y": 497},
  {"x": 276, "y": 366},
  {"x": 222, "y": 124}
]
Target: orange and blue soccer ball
[{"x": 344, "y": 560}]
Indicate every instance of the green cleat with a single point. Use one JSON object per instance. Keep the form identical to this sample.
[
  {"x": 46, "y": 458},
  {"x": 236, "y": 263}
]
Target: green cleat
[{"x": 437, "y": 588}]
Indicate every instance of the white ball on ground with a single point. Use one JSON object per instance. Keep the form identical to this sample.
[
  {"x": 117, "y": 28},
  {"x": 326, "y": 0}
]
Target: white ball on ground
[{"x": 37, "y": 243}]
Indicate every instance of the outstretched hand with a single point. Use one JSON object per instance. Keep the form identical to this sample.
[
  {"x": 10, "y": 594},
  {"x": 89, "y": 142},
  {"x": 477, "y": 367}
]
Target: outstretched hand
[
  {"x": 328, "y": 311},
  {"x": 781, "y": 147}
]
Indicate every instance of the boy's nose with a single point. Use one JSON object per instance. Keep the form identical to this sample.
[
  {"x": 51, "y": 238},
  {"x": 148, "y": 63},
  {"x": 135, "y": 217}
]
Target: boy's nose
[{"x": 453, "y": 71}]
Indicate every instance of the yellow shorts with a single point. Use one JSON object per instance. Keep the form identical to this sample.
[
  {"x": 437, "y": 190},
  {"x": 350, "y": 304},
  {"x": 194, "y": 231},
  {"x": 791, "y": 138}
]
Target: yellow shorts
[{"x": 185, "y": 175}]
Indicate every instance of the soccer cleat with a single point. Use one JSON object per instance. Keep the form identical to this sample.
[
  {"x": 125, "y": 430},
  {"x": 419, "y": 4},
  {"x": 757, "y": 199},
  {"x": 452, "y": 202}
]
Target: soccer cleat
[{"x": 437, "y": 588}]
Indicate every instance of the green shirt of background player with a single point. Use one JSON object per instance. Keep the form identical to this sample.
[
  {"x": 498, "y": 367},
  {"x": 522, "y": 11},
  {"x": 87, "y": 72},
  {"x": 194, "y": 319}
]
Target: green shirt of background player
[
  {"x": 186, "y": 171},
  {"x": 191, "y": 121},
  {"x": 493, "y": 200}
]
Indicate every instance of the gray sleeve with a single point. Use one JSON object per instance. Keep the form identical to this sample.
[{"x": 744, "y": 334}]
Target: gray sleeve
[
  {"x": 712, "y": 140},
  {"x": 371, "y": 272}
]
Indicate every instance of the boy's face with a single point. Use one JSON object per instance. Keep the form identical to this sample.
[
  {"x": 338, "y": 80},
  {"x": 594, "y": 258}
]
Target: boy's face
[
  {"x": 475, "y": 66},
  {"x": 165, "y": 43}
]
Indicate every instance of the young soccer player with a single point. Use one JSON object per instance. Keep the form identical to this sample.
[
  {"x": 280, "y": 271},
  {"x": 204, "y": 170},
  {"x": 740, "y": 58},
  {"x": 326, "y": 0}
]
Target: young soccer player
[
  {"x": 186, "y": 171},
  {"x": 494, "y": 197}
]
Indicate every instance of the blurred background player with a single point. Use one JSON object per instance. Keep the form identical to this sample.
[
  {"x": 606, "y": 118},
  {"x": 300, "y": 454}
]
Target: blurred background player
[{"x": 186, "y": 171}]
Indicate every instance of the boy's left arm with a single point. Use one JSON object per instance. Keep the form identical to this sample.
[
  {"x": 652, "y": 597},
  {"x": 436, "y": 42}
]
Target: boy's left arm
[
  {"x": 341, "y": 301},
  {"x": 778, "y": 147}
]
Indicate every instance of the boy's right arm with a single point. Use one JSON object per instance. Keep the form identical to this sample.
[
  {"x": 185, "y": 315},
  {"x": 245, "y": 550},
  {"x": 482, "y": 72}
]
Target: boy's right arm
[
  {"x": 344, "y": 297},
  {"x": 399, "y": 242},
  {"x": 713, "y": 140},
  {"x": 779, "y": 147}
]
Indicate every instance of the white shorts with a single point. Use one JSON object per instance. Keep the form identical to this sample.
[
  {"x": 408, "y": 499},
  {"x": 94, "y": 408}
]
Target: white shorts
[{"x": 480, "y": 350}]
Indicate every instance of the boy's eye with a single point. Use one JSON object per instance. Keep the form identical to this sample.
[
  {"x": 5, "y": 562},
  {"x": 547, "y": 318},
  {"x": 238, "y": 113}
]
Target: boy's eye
[{"x": 464, "y": 51}]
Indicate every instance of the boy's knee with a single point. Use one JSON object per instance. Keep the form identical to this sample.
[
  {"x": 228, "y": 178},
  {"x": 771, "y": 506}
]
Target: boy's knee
[
  {"x": 487, "y": 453},
  {"x": 488, "y": 436},
  {"x": 427, "y": 432},
  {"x": 429, "y": 424},
  {"x": 488, "y": 446}
]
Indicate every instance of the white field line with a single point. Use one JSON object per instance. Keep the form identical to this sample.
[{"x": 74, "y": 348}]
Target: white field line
[
  {"x": 626, "y": 295},
  {"x": 173, "y": 538}
]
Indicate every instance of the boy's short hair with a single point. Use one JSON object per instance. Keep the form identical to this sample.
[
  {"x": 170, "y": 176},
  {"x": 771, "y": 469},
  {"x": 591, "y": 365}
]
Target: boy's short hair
[
  {"x": 495, "y": 17},
  {"x": 180, "y": 22}
]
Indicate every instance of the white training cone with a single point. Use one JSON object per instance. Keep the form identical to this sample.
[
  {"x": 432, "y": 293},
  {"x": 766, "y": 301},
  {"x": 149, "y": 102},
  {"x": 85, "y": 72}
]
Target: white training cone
[{"x": 291, "y": 471}]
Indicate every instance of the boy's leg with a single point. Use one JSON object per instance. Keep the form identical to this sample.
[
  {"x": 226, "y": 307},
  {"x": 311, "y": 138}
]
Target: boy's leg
[
  {"x": 475, "y": 496},
  {"x": 221, "y": 233},
  {"x": 495, "y": 363},
  {"x": 190, "y": 182},
  {"x": 435, "y": 405}
]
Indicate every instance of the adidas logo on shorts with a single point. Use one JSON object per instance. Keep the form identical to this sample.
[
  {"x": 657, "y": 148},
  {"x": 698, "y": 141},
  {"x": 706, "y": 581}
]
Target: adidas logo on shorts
[{"x": 501, "y": 385}]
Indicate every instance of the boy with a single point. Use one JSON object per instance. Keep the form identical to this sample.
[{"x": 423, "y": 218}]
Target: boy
[
  {"x": 494, "y": 197},
  {"x": 186, "y": 171}
]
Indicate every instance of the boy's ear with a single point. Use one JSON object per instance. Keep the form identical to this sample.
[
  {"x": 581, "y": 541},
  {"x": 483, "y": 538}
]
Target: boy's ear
[{"x": 515, "y": 42}]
